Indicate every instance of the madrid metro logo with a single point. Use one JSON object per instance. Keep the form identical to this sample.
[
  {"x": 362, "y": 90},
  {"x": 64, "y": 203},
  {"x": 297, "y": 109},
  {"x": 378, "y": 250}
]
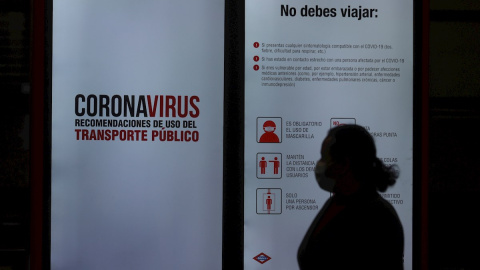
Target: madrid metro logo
[{"x": 262, "y": 258}]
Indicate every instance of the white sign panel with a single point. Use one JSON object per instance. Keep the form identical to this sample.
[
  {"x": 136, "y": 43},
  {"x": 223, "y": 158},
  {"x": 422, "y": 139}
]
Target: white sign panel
[
  {"x": 137, "y": 134},
  {"x": 310, "y": 66}
]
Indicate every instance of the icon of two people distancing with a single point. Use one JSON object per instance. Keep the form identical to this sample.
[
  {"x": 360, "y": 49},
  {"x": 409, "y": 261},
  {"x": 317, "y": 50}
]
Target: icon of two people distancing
[{"x": 269, "y": 165}]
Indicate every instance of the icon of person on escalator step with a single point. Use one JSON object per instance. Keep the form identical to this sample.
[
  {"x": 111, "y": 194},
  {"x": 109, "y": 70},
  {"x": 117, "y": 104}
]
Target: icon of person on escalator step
[{"x": 269, "y": 129}]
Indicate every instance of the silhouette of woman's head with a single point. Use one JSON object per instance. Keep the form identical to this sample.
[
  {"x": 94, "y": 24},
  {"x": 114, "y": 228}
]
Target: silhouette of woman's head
[{"x": 353, "y": 145}]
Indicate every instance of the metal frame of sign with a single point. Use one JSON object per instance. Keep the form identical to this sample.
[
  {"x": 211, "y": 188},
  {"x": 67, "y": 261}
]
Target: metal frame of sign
[{"x": 233, "y": 149}]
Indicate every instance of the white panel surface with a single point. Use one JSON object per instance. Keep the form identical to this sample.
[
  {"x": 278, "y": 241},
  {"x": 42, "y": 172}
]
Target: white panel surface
[
  {"x": 150, "y": 197},
  {"x": 309, "y": 66}
]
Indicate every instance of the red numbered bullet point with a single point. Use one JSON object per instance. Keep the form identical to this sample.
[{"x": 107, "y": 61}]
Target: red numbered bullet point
[
  {"x": 256, "y": 58},
  {"x": 256, "y": 44},
  {"x": 256, "y": 67}
]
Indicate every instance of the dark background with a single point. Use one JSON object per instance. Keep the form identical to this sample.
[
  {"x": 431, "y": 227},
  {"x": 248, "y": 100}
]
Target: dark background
[{"x": 454, "y": 147}]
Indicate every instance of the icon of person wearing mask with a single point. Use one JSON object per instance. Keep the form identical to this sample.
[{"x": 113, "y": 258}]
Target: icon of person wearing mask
[
  {"x": 269, "y": 136},
  {"x": 356, "y": 228}
]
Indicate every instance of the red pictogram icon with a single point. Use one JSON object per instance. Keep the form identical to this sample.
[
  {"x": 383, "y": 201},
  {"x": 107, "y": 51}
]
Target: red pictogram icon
[
  {"x": 269, "y": 135},
  {"x": 276, "y": 164},
  {"x": 269, "y": 165},
  {"x": 269, "y": 201},
  {"x": 262, "y": 164}
]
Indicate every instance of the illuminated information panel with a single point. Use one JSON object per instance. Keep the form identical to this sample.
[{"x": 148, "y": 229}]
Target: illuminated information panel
[
  {"x": 310, "y": 66},
  {"x": 137, "y": 134}
]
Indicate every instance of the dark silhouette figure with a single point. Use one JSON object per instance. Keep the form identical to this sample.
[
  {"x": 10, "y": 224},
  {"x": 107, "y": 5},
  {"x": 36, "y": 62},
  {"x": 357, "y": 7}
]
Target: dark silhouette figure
[{"x": 356, "y": 228}]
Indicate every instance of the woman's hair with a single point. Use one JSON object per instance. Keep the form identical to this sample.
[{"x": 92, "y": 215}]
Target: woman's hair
[{"x": 355, "y": 144}]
